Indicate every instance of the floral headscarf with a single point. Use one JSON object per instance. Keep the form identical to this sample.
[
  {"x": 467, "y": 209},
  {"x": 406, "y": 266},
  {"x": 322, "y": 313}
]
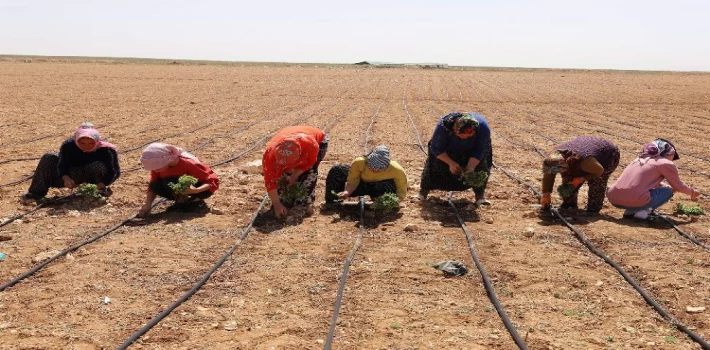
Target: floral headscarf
[
  {"x": 658, "y": 147},
  {"x": 460, "y": 123},
  {"x": 88, "y": 130},
  {"x": 158, "y": 155}
]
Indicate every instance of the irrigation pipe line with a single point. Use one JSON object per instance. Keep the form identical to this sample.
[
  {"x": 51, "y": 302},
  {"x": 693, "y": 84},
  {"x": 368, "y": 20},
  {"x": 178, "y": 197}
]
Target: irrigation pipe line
[
  {"x": 216, "y": 266},
  {"x": 15, "y": 182},
  {"x": 198, "y": 285},
  {"x": 487, "y": 283},
  {"x": 19, "y": 143},
  {"x": 583, "y": 239},
  {"x": 344, "y": 275},
  {"x": 66, "y": 251},
  {"x": 670, "y": 318},
  {"x": 38, "y": 207},
  {"x": 680, "y": 231}
]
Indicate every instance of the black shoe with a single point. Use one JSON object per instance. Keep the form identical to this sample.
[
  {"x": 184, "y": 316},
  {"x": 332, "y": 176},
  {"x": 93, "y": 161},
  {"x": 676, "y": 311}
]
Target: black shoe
[{"x": 568, "y": 206}]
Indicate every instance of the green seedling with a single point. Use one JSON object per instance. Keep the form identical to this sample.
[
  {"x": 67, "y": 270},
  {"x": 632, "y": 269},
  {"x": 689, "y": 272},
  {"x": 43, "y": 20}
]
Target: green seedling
[
  {"x": 291, "y": 193},
  {"x": 681, "y": 208},
  {"x": 474, "y": 178},
  {"x": 565, "y": 190},
  {"x": 386, "y": 202},
  {"x": 90, "y": 191},
  {"x": 184, "y": 182}
]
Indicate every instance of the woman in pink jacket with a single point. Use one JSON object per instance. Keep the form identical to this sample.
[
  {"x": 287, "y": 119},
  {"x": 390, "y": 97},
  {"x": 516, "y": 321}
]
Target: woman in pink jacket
[{"x": 639, "y": 189}]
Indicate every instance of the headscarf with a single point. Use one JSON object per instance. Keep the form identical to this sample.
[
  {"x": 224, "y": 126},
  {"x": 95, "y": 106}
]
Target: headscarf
[
  {"x": 658, "y": 147},
  {"x": 158, "y": 155},
  {"x": 554, "y": 163},
  {"x": 460, "y": 123},
  {"x": 287, "y": 152},
  {"x": 88, "y": 130},
  {"x": 379, "y": 158}
]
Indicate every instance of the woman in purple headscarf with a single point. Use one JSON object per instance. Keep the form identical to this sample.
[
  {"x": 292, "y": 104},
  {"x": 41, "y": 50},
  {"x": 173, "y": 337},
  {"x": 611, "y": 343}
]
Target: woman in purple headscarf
[
  {"x": 639, "y": 189},
  {"x": 83, "y": 158}
]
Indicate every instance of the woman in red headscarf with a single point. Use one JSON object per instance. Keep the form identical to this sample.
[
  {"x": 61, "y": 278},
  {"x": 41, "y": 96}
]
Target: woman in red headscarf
[
  {"x": 295, "y": 153},
  {"x": 83, "y": 158}
]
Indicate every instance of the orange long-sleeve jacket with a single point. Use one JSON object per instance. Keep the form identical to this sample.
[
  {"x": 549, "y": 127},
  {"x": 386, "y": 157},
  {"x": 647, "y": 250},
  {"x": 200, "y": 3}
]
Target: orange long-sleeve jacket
[{"x": 275, "y": 165}]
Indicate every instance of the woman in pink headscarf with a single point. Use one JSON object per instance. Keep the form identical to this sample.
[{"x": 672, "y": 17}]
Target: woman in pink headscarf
[
  {"x": 639, "y": 189},
  {"x": 83, "y": 158},
  {"x": 166, "y": 164}
]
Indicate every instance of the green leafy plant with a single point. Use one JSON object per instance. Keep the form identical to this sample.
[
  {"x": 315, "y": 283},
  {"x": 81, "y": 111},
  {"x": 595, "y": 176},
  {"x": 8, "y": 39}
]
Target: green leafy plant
[
  {"x": 90, "y": 191},
  {"x": 291, "y": 193},
  {"x": 681, "y": 208},
  {"x": 474, "y": 178},
  {"x": 565, "y": 190},
  {"x": 386, "y": 202},
  {"x": 184, "y": 182}
]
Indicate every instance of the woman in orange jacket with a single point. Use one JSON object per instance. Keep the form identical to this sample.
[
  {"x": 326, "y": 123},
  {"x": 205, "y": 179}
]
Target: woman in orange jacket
[{"x": 294, "y": 153}]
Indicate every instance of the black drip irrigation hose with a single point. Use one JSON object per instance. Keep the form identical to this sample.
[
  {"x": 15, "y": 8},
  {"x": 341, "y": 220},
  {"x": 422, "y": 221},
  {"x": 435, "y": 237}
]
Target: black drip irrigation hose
[
  {"x": 583, "y": 239},
  {"x": 670, "y": 318},
  {"x": 66, "y": 251},
  {"x": 38, "y": 207},
  {"x": 411, "y": 123},
  {"x": 38, "y": 267},
  {"x": 487, "y": 283},
  {"x": 344, "y": 275},
  {"x": 197, "y": 286},
  {"x": 15, "y": 182},
  {"x": 689, "y": 236}
]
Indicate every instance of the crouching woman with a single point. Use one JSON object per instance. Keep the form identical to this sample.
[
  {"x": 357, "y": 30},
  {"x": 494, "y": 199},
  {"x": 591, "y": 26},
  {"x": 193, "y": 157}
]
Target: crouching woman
[
  {"x": 372, "y": 175},
  {"x": 167, "y": 164},
  {"x": 639, "y": 189}
]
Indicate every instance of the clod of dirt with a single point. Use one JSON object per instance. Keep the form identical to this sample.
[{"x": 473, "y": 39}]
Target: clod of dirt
[
  {"x": 695, "y": 309},
  {"x": 44, "y": 256},
  {"x": 411, "y": 227},
  {"x": 529, "y": 231}
]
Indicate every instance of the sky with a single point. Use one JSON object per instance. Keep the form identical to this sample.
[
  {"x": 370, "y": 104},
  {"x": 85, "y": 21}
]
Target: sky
[{"x": 598, "y": 34}]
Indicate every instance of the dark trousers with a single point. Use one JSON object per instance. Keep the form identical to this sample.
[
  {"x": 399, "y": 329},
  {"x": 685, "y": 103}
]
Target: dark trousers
[
  {"x": 47, "y": 175},
  {"x": 338, "y": 176},
  {"x": 597, "y": 189},
  {"x": 162, "y": 189},
  {"x": 437, "y": 176},
  {"x": 309, "y": 179}
]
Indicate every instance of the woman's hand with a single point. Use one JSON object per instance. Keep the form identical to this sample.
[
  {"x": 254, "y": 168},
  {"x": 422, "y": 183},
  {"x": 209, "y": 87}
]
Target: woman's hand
[
  {"x": 695, "y": 195},
  {"x": 144, "y": 210},
  {"x": 280, "y": 210},
  {"x": 344, "y": 194},
  {"x": 68, "y": 182},
  {"x": 577, "y": 181},
  {"x": 546, "y": 201},
  {"x": 455, "y": 168}
]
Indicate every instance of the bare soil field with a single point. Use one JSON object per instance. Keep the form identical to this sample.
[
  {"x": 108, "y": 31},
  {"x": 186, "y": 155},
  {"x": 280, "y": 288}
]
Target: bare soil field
[{"x": 278, "y": 289}]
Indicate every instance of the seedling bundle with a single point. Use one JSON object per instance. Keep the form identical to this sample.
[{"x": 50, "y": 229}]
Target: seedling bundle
[
  {"x": 184, "y": 182},
  {"x": 474, "y": 178},
  {"x": 386, "y": 202},
  {"x": 291, "y": 193},
  {"x": 681, "y": 208},
  {"x": 565, "y": 190}
]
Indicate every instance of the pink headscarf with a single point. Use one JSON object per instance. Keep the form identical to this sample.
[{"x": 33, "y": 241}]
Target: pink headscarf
[
  {"x": 88, "y": 130},
  {"x": 158, "y": 155}
]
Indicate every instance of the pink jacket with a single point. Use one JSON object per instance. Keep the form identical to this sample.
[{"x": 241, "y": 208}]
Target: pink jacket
[{"x": 632, "y": 188}]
